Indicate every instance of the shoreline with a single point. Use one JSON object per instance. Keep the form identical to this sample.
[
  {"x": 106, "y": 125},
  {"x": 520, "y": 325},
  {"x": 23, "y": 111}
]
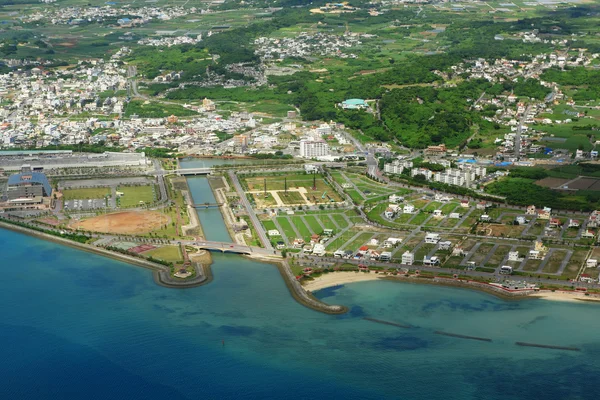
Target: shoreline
[{"x": 340, "y": 278}]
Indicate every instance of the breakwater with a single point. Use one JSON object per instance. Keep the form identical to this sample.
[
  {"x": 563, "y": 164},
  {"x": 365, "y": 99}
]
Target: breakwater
[
  {"x": 396, "y": 324},
  {"x": 456, "y": 335},
  {"x": 547, "y": 346}
]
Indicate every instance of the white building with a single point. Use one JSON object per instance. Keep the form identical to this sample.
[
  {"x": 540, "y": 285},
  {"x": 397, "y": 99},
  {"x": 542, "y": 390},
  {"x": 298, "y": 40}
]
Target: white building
[
  {"x": 408, "y": 258},
  {"x": 432, "y": 238},
  {"x": 313, "y": 148}
]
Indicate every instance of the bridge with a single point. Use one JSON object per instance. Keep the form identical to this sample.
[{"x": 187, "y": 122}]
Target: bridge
[
  {"x": 207, "y": 205},
  {"x": 228, "y": 247},
  {"x": 193, "y": 171}
]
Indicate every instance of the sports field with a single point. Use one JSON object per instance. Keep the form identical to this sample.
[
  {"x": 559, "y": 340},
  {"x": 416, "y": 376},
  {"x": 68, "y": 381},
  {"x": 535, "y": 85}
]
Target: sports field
[{"x": 136, "y": 195}]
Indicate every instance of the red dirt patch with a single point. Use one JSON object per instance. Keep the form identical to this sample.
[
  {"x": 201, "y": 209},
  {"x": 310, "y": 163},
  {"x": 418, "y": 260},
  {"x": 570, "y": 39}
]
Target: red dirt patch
[{"x": 127, "y": 222}]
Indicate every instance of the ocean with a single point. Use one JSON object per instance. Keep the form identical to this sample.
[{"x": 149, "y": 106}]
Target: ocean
[{"x": 76, "y": 325}]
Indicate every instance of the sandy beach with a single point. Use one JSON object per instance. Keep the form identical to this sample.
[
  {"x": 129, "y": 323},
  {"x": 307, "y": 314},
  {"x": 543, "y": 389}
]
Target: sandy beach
[
  {"x": 339, "y": 278},
  {"x": 561, "y": 295}
]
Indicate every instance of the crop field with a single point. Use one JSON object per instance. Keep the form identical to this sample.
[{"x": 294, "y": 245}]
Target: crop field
[
  {"x": 136, "y": 195},
  {"x": 85, "y": 193}
]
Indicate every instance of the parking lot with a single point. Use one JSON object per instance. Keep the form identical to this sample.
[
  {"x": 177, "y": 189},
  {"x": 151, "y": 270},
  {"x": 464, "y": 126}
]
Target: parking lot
[{"x": 91, "y": 204}]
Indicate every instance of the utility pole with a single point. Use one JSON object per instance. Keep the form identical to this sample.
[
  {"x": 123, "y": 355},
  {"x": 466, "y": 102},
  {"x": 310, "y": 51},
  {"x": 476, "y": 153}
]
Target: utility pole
[
  {"x": 314, "y": 181},
  {"x": 265, "y": 185}
]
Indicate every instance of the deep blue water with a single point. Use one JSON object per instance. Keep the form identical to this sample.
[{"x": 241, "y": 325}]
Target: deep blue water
[{"x": 76, "y": 325}]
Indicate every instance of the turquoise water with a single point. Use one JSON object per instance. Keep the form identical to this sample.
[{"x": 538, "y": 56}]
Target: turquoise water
[
  {"x": 76, "y": 325},
  {"x": 210, "y": 218}
]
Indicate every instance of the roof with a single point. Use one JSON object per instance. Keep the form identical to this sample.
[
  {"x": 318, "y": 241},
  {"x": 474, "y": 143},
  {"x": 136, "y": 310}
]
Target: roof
[
  {"x": 35, "y": 177},
  {"x": 355, "y": 102}
]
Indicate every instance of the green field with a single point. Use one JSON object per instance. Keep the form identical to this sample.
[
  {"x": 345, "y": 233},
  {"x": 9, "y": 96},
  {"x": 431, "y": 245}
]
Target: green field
[
  {"x": 166, "y": 253},
  {"x": 86, "y": 193},
  {"x": 136, "y": 195}
]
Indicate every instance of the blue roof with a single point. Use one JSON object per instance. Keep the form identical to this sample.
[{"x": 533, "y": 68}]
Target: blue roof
[{"x": 36, "y": 177}]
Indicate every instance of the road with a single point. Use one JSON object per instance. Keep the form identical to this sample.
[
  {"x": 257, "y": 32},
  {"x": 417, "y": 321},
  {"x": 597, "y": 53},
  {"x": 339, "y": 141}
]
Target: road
[{"x": 262, "y": 235}]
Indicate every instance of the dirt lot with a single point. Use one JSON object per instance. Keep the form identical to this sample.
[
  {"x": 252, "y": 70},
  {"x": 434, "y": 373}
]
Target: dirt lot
[
  {"x": 551, "y": 182},
  {"x": 583, "y": 183},
  {"x": 129, "y": 222}
]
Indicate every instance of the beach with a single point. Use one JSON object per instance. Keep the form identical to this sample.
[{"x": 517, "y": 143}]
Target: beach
[
  {"x": 563, "y": 295},
  {"x": 339, "y": 278}
]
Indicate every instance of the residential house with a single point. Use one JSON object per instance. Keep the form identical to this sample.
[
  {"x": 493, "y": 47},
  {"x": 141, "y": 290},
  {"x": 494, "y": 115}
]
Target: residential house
[
  {"x": 536, "y": 255},
  {"x": 338, "y": 254},
  {"x": 298, "y": 243},
  {"x": 431, "y": 261},
  {"x": 594, "y": 219},
  {"x": 408, "y": 258},
  {"x": 586, "y": 278},
  {"x": 531, "y": 210},
  {"x": 520, "y": 220},
  {"x": 395, "y": 199},
  {"x": 280, "y": 245},
  {"x": 314, "y": 238},
  {"x": 555, "y": 222},
  {"x": 513, "y": 256},
  {"x": 363, "y": 250},
  {"x": 385, "y": 256},
  {"x": 458, "y": 251},
  {"x": 391, "y": 242},
  {"x": 432, "y": 238},
  {"x": 454, "y": 215},
  {"x": 588, "y": 234},
  {"x": 408, "y": 209},
  {"x": 482, "y": 205},
  {"x": 319, "y": 250},
  {"x": 485, "y": 218},
  {"x": 464, "y": 203},
  {"x": 437, "y": 214},
  {"x": 544, "y": 213},
  {"x": 444, "y": 245},
  {"x": 328, "y": 232},
  {"x": 591, "y": 263}
]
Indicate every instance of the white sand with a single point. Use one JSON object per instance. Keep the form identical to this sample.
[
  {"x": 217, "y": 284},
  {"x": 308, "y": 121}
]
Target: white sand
[
  {"x": 339, "y": 278},
  {"x": 560, "y": 295}
]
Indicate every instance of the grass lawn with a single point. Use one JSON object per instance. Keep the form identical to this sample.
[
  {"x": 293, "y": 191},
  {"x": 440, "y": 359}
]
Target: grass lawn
[
  {"x": 361, "y": 240},
  {"x": 86, "y": 193},
  {"x": 302, "y": 228},
  {"x": 166, "y": 253},
  {"x": 287, "y": 228},
  {"x": 136, "y": 195},
  {"x": 312, "y": 222},
  {"x": 340, "y": 220},
  {"x": 269, "y": 225}
]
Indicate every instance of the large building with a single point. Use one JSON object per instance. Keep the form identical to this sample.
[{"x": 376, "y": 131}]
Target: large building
[
  {"x": 28, "y": 187},
  {"x": 313, "y": 148}
]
